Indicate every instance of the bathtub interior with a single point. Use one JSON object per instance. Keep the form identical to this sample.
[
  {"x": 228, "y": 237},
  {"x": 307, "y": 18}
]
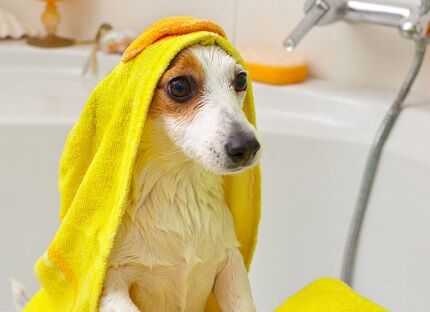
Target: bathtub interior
[
  {"x": 46, "y": 86},
  {"x": 316, "y": 137},
  {"x": 316, "y": 141}
]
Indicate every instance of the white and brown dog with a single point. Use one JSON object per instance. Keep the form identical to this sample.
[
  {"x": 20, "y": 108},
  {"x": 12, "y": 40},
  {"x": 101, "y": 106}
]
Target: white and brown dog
[{"x": 177, "y": 241}]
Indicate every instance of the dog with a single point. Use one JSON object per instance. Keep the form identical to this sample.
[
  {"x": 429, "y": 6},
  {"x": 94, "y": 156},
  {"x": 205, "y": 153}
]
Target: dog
[{"x": 177, "y": 243}]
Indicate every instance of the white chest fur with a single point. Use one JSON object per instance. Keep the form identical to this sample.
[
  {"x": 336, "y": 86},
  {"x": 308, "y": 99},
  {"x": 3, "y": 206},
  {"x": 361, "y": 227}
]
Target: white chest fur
[{"x": 175, "y": 235}]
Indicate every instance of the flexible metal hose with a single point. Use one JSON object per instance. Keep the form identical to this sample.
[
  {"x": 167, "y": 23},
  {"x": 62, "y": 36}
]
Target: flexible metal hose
[{"x": 372, "y": 163}]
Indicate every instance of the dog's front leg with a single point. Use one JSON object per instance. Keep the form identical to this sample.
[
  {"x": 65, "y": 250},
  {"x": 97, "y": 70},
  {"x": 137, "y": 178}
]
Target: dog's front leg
[
  {"x": 116, "y": 297},
  {"x": 231, "y": 287}
]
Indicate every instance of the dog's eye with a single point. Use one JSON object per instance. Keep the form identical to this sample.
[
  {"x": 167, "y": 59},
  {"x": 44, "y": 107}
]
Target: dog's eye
[
  {"x": 180, "y": 89},
  {"x": 240, "y": 83}
]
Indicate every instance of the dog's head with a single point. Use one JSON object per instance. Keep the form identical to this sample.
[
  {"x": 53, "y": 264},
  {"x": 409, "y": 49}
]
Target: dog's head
[{"x": 199, "y": 101}]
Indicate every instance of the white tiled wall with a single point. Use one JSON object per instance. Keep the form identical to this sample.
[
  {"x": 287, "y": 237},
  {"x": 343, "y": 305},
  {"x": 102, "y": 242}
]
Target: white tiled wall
[{"x": 358, "y": 54}]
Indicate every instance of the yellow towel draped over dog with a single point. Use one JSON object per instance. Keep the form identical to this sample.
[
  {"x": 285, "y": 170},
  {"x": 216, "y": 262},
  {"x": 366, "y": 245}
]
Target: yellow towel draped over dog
[{"x": 97, "y": 165}]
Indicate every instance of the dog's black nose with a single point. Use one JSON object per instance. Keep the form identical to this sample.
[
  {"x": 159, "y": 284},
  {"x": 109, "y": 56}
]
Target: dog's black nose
[{"x": 242, "y": 148}]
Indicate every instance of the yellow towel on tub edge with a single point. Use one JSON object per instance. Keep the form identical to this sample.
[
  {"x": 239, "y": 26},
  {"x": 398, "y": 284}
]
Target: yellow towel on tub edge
[
  {"x": 328, "y": 295},
  {"x": 96, "y": 168}
]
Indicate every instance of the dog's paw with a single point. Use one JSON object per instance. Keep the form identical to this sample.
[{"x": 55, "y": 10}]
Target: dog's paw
[
  {"x": 244, "y": 306},
  {"x": 108, "y": 308},
  {"x": 117, "y": 303}
]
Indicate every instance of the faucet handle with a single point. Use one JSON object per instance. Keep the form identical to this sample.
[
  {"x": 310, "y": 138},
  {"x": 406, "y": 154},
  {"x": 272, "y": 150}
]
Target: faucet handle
[{"x": 315, "y": 10}]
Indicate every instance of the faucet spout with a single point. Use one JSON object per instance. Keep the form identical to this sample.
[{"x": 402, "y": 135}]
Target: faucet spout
[
  {"x": 411, "y": 20},
  {"x": 314, "y": 13}
]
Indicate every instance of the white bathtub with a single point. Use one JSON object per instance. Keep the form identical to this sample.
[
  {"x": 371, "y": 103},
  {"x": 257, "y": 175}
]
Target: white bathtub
[{"x": 316, "y": 139}]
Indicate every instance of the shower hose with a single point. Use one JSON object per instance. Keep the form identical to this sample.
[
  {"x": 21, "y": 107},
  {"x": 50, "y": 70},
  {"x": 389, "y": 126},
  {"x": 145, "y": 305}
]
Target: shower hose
[{"x": 371, "y": 167}]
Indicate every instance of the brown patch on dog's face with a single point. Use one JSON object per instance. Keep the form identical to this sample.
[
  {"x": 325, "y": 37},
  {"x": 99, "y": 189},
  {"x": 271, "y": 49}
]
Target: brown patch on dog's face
[{"x": 179, "y": 91}]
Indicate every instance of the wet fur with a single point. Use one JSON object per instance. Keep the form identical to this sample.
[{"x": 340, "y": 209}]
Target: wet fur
[{"x": 177, "y": 242}]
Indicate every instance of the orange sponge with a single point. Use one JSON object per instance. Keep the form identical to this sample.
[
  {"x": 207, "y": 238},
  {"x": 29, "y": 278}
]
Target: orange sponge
[
  {"x": 170, "y": 26},
  {"x": 274, "y": 66}
]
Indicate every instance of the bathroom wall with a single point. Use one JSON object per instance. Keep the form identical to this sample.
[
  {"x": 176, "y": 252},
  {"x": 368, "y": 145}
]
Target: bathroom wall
[{"x": 357, "y": 54}]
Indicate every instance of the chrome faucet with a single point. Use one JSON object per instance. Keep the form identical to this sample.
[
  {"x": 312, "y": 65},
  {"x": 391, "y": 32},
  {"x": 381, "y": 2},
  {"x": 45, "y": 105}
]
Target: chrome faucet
[{"x": 412, "y": 20}]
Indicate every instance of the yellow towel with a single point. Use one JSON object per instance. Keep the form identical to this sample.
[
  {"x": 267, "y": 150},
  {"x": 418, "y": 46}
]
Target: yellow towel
[
  {"x": 97, "y": 164},
  {"x": 328, "y": 295}
]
